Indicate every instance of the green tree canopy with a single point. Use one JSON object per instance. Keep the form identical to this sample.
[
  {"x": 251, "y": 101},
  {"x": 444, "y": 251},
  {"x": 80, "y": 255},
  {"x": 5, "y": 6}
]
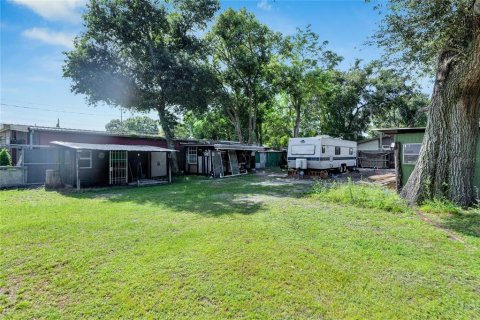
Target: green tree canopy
[
  {"x": 139, "y": 125},
  {"x": 297, "y": 70},
  {"x": 242, "y": 49},
  {"x": 143, "y": 55}
]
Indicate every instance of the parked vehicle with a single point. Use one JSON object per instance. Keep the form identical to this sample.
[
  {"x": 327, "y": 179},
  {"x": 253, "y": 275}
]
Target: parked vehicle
[{"x": 322, "y": 153}]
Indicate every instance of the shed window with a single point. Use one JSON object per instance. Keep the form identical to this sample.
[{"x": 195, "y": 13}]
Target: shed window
[
  {"x": 411, "y": 152},
  {"x": 337, "y": 151},
  {"x": 85, "y": 159},
  {"x": 192, "y": 155}
]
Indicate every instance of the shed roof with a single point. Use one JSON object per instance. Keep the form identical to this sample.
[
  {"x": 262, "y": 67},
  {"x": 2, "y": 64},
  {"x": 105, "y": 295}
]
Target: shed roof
[
  {"x": 226, "y": 146},
  {"x": 110, "y": 147},
  {"x": 400, "y": 130}
]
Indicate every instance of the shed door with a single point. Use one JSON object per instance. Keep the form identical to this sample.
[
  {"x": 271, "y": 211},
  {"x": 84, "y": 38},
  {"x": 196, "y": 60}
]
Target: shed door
[
  {"x": 217, "y": 164},
  {"x": 263, "y": 159},
  {"x": 159, "y": 164},
  {"x": 232, "y": 156}
]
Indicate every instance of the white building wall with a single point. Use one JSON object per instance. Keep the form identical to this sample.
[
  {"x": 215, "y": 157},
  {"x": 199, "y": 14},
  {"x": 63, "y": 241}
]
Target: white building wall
[{"x": 368, "y": 146}]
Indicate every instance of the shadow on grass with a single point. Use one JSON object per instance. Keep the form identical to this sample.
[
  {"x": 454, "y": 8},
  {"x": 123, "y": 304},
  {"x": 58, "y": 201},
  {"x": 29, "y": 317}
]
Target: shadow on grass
[
  {"x": 242, "y": 195},
  {"x": 467, "y": 223}
]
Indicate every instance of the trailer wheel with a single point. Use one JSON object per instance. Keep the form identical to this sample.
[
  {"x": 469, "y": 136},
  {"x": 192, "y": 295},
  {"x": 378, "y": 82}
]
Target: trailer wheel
[{"x": 343, "y": 168}]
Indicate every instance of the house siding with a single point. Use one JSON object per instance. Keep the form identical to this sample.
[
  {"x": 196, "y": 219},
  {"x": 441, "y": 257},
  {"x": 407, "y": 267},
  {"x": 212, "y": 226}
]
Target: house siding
[
  {"x": 45, "y": 137},
  {"x": 417, "y": 137}
]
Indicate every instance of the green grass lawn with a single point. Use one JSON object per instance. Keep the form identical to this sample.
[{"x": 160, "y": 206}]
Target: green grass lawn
[{"x": 233, "y": 248}]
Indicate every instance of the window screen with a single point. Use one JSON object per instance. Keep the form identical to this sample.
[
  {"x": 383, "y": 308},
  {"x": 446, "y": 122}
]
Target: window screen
[
  {"x": 307, "y": 149},
  {"x": 192, "y": 155},
  {"x": 337, "y": 151},
  {"x": 411, "y": 152},
  {"x": 85, "y": 159}
]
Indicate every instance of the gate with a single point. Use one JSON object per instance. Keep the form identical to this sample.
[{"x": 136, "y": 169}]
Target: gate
[{"x": 118, "y": 167}]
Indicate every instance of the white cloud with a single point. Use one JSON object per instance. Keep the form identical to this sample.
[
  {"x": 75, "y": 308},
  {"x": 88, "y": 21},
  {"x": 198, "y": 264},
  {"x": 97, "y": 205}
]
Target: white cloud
[
  {"x": 264, "y": 5},
  {"x": 51, "y": 37},
  {"x": 64, "y": 10}
]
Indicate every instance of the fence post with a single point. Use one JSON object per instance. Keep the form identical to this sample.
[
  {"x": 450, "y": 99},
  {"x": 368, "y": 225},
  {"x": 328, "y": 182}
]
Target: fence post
[{"x": 398, "y": 166}]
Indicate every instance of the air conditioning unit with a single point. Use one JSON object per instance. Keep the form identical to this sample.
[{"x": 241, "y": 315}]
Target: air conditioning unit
[{"x": 301, "y": 163}]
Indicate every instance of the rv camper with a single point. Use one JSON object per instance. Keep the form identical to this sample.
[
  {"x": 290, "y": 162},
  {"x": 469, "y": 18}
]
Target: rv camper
[{"x": 321, "y": 153}]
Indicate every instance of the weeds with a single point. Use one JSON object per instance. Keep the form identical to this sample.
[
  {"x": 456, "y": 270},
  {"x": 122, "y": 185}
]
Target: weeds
[
  {"x": 366, "y": 196},
  {"x": 440, "y": 206}
]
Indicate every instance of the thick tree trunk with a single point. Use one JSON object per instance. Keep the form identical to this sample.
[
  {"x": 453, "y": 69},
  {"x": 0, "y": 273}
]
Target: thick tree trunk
[
  {"x": 446, "y": 164},
  {"x": 296, "y": 126},
  {"x": 168, "y": 135},
  {"x": 252, "y": 125},
  {"x": 238, "y": 127}
]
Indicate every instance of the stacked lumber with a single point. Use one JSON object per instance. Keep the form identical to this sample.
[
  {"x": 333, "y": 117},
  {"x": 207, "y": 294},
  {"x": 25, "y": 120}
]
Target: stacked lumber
[{"x": 386, "y": 180}]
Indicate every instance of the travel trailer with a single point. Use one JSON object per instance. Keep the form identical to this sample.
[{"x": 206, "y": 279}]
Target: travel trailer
[{"x": 321, "y": 153}]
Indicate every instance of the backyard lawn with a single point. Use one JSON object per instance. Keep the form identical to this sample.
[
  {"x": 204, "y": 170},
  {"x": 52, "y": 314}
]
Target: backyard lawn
[{"x": 247, "y": 247}]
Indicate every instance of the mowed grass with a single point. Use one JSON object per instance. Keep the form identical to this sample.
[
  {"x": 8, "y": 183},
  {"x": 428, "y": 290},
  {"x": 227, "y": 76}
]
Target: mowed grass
[{"x": 243, "y": 247}]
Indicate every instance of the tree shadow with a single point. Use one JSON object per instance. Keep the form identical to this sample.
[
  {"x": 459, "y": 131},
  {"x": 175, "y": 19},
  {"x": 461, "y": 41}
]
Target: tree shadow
[
  {"x": 467, "y": 223},
  {"x": 238, "y": 195}
]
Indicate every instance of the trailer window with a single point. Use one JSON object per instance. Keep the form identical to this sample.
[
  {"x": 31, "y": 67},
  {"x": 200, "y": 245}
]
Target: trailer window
[
  {"x": 307, "y": 149},
  {"x": 411, "y": 152},
  {"x": 192, "y": 155},
  {"x": 85, "y": 159},
  {"x": 350, "y": 151},
  {"x": 337, "y": 151},
  {"x": 323, "y": 149}
]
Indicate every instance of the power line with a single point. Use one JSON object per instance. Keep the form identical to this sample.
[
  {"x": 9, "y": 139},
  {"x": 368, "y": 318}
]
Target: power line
[
  {"x": 51, "y": 110},
  {"x": 37, "y": 103}
]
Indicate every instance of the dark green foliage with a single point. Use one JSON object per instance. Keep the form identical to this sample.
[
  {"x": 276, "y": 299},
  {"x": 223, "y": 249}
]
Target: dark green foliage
[
  {"x": 5, "y": 158},
  {"x": 242, "y": 49},
  {"x": 144, "y": 55},
  {"x": 210, "y": 126},
  {"x": 298, "y": 72},
  {"x": 414, "y": 33},
  {"x": 138, "y": 125},
  {"x": 364, "y": 95}
]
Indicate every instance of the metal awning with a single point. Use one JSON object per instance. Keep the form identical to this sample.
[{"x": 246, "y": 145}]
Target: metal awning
[
  {"x": 110, "y": 147},
  {"x": 400, "y": 130},
  {"x": 222, "y": 146}
]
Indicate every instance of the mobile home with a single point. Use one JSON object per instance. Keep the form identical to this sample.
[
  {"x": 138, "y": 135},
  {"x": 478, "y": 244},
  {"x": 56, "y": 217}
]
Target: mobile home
[{"x": 321, "y": 153}]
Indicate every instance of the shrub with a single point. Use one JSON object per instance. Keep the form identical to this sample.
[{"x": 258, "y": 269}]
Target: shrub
[
  {"x": 440, "y": 206},
  {"x": 362, "y": 195},
  {"x": 5, "y": 158}
]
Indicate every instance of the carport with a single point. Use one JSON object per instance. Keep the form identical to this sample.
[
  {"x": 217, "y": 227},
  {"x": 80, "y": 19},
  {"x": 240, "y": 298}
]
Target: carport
[{"x": 88, "y": 164}]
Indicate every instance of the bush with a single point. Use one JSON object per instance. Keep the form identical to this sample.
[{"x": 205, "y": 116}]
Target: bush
[
  {"x": 366, "y": 196},
  {"x": 440, "y": 206},
  {"x": 5, "y": 158}
]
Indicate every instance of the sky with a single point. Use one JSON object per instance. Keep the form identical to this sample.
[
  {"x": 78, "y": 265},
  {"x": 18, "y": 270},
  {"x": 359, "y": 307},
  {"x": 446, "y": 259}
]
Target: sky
[{"x": 35, "y": 33}]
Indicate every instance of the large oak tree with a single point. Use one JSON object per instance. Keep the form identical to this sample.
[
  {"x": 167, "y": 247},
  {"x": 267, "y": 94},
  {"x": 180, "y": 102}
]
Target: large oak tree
[
  {"x": 143, "y": 55},
  {"x": 242, "y": 49},
  {"x": 298, "y": 70},
  {"x": 443, "y": 36}
]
